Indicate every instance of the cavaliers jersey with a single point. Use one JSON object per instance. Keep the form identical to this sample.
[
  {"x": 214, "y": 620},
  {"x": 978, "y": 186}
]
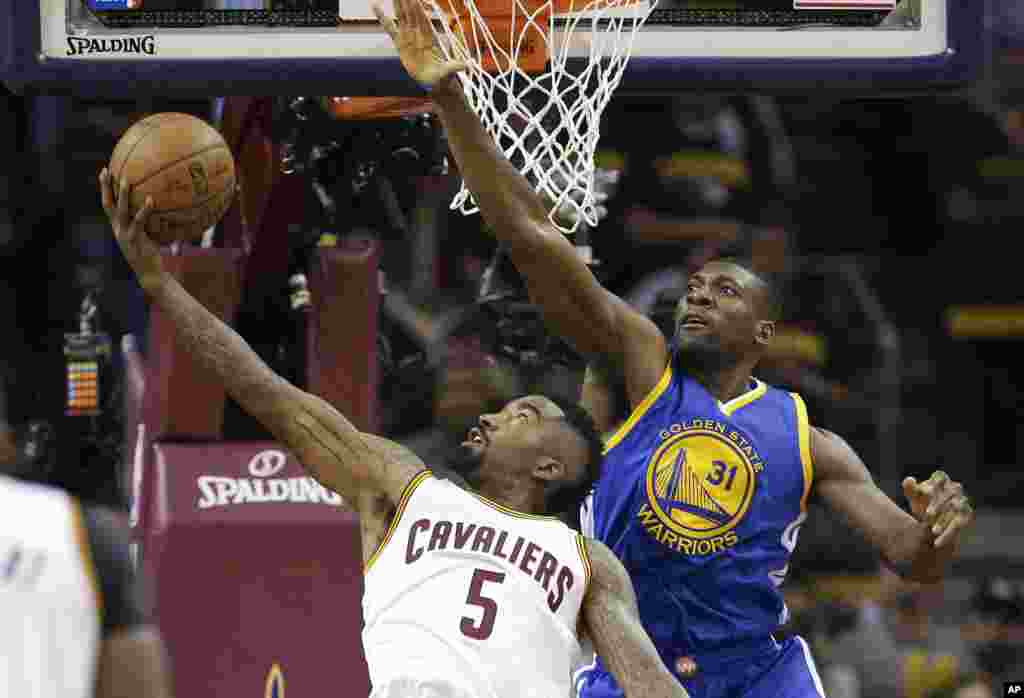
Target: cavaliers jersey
[
  {"x": 49, "y": 596},
  {"x": 465, "y": 598},
  {"x": 703, "y": 501}
]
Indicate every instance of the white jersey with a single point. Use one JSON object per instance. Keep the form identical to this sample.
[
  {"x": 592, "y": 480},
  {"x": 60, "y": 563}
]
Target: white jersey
[
  {"x": 49, "y": 595},
  {"x": 468, "y": 599}
]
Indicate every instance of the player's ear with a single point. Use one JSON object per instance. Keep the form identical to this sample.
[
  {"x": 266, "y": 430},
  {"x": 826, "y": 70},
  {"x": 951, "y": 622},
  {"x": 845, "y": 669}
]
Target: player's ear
[
  {"x": 765, "y": 332},
  {"x": 549, "y": 469}
]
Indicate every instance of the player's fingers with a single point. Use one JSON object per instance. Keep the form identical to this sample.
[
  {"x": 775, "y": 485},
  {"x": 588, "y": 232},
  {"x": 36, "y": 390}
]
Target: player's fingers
[
  {"x": 941, "y": 497},
  {"x": 909, "y": 486},
  {"x": 958, "y": 522},
  {"x": 958, "y": 515},
  {"x": 106, "y": 195},
  {"x": 139, "y": 222},
  {"x": 420, "y": 13},
  {"x": 124, "y": 202},
  {"x": 385, "y": 21},
  {"x": 937, "y": 480},
  {"x": 402, "y": 12},
  {"x": 452, "y": 67},
  {"x": 929, "y": 486},
  {"x": 914, "y": 495}
]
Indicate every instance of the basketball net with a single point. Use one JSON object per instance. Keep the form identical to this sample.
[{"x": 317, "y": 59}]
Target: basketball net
[{"x": 541, "y": 107}]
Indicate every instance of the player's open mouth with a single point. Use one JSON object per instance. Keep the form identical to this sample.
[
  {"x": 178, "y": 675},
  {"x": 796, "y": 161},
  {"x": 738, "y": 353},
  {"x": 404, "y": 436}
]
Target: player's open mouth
[
  {"x": 476, "y": 436},
  {"x": 693, "y": 321}
]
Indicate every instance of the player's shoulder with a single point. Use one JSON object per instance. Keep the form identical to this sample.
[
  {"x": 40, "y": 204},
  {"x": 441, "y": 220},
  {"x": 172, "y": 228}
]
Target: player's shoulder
[
  {"x": 437, "y": 489},
  {"x": 38, "y": 512},
  {"x": 606, "y": 570},
  {"x": 14, "y": 488},
  {"x": 777, "y": 397},
  {"x": 777, "y": 392}
]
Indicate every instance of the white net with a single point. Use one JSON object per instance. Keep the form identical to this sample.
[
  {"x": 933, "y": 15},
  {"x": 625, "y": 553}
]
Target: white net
[{"x": 545, "y": 118}]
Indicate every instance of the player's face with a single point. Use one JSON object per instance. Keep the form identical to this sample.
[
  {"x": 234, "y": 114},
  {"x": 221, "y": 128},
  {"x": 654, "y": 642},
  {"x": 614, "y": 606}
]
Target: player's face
[
  {"x": 512, "y": 441},
  {"x": 719, "y": 313}
]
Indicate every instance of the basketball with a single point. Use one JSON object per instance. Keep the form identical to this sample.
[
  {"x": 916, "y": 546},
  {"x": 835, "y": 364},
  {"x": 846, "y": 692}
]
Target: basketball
[{"x": 185, "y": 165}]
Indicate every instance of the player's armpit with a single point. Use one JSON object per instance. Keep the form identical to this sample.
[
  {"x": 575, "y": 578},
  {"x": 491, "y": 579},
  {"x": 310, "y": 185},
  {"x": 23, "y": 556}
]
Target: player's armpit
[
  {"x": 846, "y": 486},
  {"x": 133, "y": 662},
  {"x": 338, "y": 455},
  {"x": 612, "y": 622}
]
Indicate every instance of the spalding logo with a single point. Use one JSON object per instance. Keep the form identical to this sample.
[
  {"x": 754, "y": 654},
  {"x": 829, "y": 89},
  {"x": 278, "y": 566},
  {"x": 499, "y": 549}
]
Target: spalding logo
[
  {"x": 262, "y": 487},
  {"x": 86, "y": 45},
  {"x": 267, "y": 463}
]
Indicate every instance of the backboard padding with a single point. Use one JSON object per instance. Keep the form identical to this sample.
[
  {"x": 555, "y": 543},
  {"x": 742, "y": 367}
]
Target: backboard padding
[{"x": 357, "y": 58}]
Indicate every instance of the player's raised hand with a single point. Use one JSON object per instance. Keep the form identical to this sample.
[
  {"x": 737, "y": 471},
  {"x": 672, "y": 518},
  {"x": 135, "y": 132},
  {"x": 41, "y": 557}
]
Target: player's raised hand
[
  {"x": 410, "y": 31},
  {"x": 130, "y": 230},
  {"x": 941, "y": 503}
]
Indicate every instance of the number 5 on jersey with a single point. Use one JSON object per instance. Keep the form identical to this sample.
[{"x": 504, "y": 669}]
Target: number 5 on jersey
[{"x": 475, "y": 597}]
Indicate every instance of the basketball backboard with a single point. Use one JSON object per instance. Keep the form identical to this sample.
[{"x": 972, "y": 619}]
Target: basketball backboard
[{"x": 125, "y": 47}]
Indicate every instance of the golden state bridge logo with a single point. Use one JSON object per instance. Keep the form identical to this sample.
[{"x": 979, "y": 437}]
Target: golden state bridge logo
[{"x": 699, "y": 484}]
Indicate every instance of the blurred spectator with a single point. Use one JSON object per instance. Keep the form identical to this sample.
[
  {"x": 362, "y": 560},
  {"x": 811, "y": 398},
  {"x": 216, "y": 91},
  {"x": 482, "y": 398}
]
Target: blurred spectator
[
  {"x": 895, "y": 648},
  {"x": 8, "y": 449},
  {"x": 471, "y": 383},
  {"x": 717, "y": 166},
  {"x": 995, "y": 617}
]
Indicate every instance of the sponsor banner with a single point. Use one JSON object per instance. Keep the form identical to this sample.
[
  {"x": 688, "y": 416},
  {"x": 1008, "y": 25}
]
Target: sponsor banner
[
  {"x": 258, "y": 569},
  {"x": 240, "y": 481}
]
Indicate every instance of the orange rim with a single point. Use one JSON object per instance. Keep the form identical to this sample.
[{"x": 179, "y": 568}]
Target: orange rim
[
  {"x": 529, "y": 39},
  {"x": 374, "y": 108}
]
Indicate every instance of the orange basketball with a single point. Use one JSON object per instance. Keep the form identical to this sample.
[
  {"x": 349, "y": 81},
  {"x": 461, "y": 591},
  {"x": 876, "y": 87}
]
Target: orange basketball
[{"x": 185, "y": 165}]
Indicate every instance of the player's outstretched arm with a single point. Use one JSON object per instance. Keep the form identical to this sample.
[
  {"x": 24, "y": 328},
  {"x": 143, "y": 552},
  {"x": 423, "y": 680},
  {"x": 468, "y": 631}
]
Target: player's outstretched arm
[
  {"x": 613, "y": 624},
  {"x": 918, "y": 545},
  {"x": 329, "y": 446},
  {"x": 573, "y": 303}
]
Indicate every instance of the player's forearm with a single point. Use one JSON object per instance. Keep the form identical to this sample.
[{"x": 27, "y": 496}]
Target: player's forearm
[
  {"x": 639, "y": 680},
  {"x": 913, "y": 555},
  {"x": 505, "y": 197},
  {"x": 221, "y": 350},
  {"x": 613, "y": 622}
]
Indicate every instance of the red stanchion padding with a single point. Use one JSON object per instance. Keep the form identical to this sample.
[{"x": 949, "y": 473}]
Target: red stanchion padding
[
  {"x": 257, "y": 573},
  {"x": 182, "y": 398},
  {"x": 342, "y": 346}
]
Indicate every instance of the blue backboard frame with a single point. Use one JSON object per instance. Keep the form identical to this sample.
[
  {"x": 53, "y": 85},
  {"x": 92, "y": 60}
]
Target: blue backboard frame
[{"x": 23, "y": 70}]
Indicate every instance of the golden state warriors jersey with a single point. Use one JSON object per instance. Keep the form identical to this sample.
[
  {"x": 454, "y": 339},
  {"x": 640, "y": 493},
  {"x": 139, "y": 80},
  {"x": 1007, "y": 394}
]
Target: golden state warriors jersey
[
  {"x": 703, "y": 501},
  {"x": 468, "y": 599}
]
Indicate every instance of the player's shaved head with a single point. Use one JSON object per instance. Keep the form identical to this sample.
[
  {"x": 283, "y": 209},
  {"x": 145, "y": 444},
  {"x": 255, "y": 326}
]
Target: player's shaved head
[
  {"x": 769, "y": 298},
  {"x": 533, "y": 444}
]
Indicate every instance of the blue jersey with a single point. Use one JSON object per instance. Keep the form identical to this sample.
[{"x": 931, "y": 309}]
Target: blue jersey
[{"x": 702, "y": 501}]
